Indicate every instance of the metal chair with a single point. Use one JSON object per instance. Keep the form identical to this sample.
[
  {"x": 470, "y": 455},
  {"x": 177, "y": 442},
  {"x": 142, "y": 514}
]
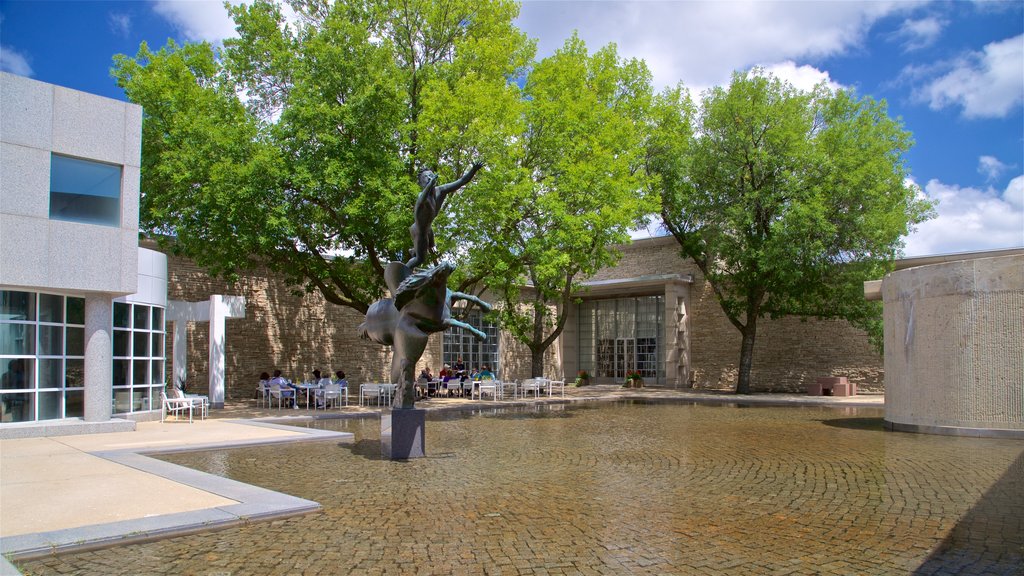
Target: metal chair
[{"x": 175, "y": 406}]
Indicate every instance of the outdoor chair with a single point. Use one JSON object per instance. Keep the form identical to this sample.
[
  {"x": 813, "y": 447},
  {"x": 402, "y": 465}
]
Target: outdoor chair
[
  {"x": 367, "y": 391},
  {"x": 328, "y": 393},
  {"x": 531, "y": 385},
  {"x": 482, "y": 387},
  {"x": 198, "y": 401},
  {"x": 175, "y": 406},
  {"x": 263, "y": 391},
  {"x": 551, "y": 387},
  {"x": 276, "y": 391}
]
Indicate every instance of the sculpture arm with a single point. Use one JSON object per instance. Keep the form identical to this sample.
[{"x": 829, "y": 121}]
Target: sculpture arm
[{"x": 444, "y": 189}]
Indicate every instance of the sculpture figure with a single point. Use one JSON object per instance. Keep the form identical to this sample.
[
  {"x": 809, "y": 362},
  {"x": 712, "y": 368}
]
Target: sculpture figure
[
  {"x": 420, "y": 302},
  {"x": 421, "y": 306},
  {"x": 428, "y": 206}
]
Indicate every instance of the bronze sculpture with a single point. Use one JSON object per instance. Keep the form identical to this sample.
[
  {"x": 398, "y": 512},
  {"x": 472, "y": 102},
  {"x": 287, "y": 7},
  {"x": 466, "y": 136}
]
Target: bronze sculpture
[{"x": 420, "y": 302}]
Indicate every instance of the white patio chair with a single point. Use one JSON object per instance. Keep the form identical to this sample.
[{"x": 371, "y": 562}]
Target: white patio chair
[
  {"x": 531, "y": 385},
  {"x": 328, "y": 393},
  {"x": 551, "y": 387},
  {"x": 198, "y": 401},
  {"x": 263, "y": 391},
  {"x": 367, "y": 391},
  {"x": 175, "y": 406},
  {"x": 280, "y": 393},
  {"x": 481, "y": 387}
]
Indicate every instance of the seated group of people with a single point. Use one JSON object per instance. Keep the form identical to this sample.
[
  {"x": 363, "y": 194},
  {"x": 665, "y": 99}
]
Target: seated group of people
[
  {"x": 459, "y": 374},
  {"x": 288, "y": 388}
]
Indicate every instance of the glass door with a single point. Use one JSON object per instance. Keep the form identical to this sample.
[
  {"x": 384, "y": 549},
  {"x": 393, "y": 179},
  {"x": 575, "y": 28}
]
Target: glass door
[{"x": 625, "y": 356}]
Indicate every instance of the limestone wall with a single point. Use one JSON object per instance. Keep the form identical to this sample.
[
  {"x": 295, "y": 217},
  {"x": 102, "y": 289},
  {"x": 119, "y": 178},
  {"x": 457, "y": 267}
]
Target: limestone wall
[
  {"x": 788, "y": 353},
  {"x": 954, "y": 350},
  {"x": 296, "y": 333}
]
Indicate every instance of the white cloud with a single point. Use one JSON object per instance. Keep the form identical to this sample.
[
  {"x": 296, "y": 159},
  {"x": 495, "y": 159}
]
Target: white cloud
[
  {"x": 703, "y": 42},
  {"x": 14, "y": 62},
  {"x": 120, "y": 24},
  {"x": 990, "y": 167},
  {"x": 917, "y": 34},
  {"x": 206, "y": 20},
  {"x": 198, "y": 21},
  {"x": 801, "y": 77},
  {"x": 970, "y": 219},
  {"x": 986, "y": 84}
]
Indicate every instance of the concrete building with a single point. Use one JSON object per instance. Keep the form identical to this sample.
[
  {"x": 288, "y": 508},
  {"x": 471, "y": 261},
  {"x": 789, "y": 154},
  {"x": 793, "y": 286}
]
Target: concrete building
[{"x": 81, "y": 321}]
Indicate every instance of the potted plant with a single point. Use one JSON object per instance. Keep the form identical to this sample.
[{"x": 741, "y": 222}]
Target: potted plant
[
  {"x": 633, "y": 380},
  {"x": 582, "y": 378}
]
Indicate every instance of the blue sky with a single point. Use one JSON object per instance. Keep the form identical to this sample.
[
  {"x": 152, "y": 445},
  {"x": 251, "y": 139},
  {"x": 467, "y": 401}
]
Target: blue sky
[{"x": 953, "y": 71}]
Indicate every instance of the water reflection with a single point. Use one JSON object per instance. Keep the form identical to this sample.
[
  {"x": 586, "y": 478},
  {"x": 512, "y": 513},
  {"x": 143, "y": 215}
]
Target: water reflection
[{"x": 613, "y": 488}]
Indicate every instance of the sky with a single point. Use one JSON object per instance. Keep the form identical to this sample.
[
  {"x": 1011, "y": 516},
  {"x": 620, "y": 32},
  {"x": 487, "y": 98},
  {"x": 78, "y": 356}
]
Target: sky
[{"x": 952, "y": 71}]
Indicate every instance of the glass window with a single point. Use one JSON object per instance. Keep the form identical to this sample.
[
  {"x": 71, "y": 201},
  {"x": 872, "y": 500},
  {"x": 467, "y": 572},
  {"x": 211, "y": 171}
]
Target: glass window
[
  {"x": 51, "y": 340},
  {"x": 17, "y": 374},
  {"x": 49, "y": 405},
  {"x": 74, "y": 404},
  {"x": 121, "y": 340},
  {"x": 74, "y": 373},
  {"x": 51, "y": 308},
  {"x": 158, "y": 319},
  {"x": 459, "y": 343},
  {"x": 50, "y": 373},
  {"x": 618, "y": 336},
  {"x": 17, "y": 305},
  {"x": 74, "y": 338},
  {"x": 18, "y": 339},
  {"x": 140, "y": 372},
  {"x": 76, "y": 310},
  {"x": 140, "y": 348},
  {"x": 122, "y": 372},
  {"x": 85, "y": 191},
  {"x": 141, "y": 317},
  {"x": 121, "y": 316}
]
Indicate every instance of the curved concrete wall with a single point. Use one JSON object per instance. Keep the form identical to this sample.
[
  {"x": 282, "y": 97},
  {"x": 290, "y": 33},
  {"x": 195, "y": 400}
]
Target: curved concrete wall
[{"x": 954, "y": 347}]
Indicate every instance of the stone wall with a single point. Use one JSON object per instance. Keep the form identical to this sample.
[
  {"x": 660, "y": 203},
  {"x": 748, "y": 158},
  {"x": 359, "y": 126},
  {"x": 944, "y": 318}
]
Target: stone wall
[
  {"x": 788, "y": 352},
  {"x": 954, "y": 351},
  {"x": 296, "y": 333}
]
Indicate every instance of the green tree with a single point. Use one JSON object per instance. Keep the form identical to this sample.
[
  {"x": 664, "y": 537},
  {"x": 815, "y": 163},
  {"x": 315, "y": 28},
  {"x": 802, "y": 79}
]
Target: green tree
[
  {"x": 296, "y": 146},
  {"x": 787, "y": 201},
  {"x": 563, "y": 186}
]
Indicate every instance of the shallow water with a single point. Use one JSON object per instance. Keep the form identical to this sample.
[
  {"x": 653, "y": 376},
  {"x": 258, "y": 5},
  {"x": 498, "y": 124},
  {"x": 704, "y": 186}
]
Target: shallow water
[{"x": 622, "y": 488}]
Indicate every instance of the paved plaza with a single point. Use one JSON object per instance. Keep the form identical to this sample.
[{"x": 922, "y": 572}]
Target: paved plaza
[{"x": 613, "y": 488}]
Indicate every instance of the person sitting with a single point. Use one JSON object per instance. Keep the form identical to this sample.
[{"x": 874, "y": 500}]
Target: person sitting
[
  {"x": 425, "y": 374},
  {"x": 339, "y": 379},
  {"x": 446, "y": 372},
  {"x": 316, "y": 376},
  {"x": 287, "y": 391},
  {"x": 485, "y": 374}
]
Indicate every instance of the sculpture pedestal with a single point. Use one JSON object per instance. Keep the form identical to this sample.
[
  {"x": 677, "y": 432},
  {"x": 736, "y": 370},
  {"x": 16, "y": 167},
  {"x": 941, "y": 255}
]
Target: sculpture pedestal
[{"x": 402, "y": 433}]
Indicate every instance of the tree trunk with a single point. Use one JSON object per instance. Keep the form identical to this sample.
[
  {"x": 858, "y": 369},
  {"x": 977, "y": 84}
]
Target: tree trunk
[
  {"x": 537, "y": 348},
  {"x": 746, "y": 356}
]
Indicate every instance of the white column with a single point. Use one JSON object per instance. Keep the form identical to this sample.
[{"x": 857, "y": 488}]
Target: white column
[
  {"x": 179, "y": 362},
  {"x": 218, "y": 310},
  {"x": 98, "y": 357}
]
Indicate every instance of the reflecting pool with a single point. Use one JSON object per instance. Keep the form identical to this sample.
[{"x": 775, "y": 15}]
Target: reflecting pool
[{"x": 615, "y": 488}]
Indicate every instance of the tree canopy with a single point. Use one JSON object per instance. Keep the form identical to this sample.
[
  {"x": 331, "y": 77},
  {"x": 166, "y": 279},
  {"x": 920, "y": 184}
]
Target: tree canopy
[
  {"x": 786, "y": 200},
  {"x": 295, "y": 146},
  {"x": 565, "y": 187}
]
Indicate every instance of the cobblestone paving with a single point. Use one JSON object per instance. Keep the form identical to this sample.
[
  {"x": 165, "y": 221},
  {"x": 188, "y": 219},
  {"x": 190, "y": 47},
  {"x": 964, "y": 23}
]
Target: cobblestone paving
[{"x": 616, "y": 489}]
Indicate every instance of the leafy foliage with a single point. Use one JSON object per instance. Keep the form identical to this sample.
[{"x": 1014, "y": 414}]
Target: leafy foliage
[
  {"x": 295, "y": 147},
  {"x": 561, "y": 189},
  {"x": 786, "y": 200}
]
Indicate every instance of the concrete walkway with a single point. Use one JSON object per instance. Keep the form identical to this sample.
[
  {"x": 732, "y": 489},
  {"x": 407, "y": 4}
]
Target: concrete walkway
[{"x": 73, "y": 492}]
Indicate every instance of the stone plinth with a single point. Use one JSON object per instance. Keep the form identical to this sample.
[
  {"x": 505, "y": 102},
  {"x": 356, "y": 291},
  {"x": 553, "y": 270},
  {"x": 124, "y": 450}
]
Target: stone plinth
[{"x": 402, "y": 433}]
